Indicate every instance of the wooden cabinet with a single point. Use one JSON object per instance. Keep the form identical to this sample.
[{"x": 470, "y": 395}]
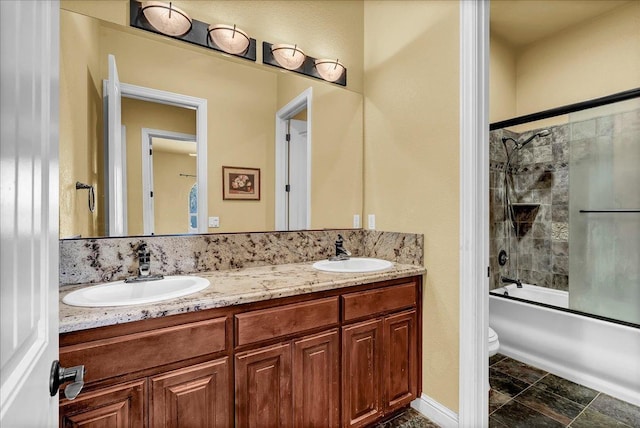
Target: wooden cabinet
[
  {"x": 263, "y": 387},
  {"x": 290, "y": 384},
  {"x": 196, "y": 396},
  {"x": 346, "y": 357},
  {"x": 119, "y": 406},
  {"x": 361, "y": 365},
  {"x": 380, "y": 367},
  {"x": 400, "y": 356},
  {"x": 316, "y": 380}
]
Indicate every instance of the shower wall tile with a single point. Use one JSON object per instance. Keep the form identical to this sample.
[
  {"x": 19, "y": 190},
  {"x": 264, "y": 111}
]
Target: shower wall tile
[
  {"x": 560, "y": 213},
  {"x": 560, "y": 282},
  {"x": 584, "y": 129},
  {"x": 560, "y": 265},
  {"x": 604, "y": 126},
  {"x": 560, "y": 248},
  {"x": 560, "y": 231},
  {"x": 540, "y": 174},
  {"x": 560, "y": 152},
  {"x": 542, "y": 154},
  {"x": 630, "y": 122}
]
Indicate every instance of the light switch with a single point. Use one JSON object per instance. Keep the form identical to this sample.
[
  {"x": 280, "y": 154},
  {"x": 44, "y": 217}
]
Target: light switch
[
  {"x": 372, "y": 221},
  {"x": 356, "y": 221},
  {"x": 214, "y": 221}
]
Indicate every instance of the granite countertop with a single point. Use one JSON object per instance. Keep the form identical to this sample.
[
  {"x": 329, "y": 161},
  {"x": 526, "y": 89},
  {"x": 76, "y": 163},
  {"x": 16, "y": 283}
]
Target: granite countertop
[{"x": 228, "y": 288}]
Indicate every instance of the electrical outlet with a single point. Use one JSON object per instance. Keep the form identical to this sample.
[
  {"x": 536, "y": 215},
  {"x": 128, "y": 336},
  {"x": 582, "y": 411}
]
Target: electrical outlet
[
  {"x": 356, "y": 221},
  {"x": 372, "y": 221},
  {"x": 214, "y": 221}
]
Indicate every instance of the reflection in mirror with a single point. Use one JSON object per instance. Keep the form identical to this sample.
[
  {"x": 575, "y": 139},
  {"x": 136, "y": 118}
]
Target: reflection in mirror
[
  {"x": 242, "y": 99},
  {"x": 145, "y": 168},
  {"x": 293, "y": 163},
  {"x": 171, "y": 172}
]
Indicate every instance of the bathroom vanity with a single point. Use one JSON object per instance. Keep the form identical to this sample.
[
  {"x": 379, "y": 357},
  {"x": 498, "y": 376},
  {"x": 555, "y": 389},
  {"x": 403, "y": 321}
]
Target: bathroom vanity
[{"x": 268, "y": 346}]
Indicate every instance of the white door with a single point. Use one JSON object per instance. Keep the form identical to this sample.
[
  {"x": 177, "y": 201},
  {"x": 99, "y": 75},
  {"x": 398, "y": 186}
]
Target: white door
[
  {"x": 298, "y": 175},
  {"x": 29, "y": 39},
  {"x": 116, "y": 174}
]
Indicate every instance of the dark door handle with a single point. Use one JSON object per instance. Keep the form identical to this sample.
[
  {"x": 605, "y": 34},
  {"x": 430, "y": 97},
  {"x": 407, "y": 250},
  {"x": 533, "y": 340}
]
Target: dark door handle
[{"x": 60, "y": 375}]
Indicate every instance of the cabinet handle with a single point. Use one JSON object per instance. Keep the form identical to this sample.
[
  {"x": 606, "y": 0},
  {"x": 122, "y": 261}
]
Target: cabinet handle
[{"x": 60, "y": 375}]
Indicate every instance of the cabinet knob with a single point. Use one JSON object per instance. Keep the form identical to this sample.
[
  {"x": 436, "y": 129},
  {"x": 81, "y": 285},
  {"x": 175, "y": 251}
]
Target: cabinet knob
[{"x": 60, "y": 375}]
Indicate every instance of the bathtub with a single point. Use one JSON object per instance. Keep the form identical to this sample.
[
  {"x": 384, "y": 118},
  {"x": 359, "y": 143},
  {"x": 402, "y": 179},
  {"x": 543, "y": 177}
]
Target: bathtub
[{"x": 599, "y": 354}]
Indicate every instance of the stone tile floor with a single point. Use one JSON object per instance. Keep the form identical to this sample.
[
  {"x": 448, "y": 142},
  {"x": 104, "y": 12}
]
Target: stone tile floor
[
  {"x": 408, "y": 419},
  {"x": 525, "y": 396},
  {"x": 528, "y": 397}
]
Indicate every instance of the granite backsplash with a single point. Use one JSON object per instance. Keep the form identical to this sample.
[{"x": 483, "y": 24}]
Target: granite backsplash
[{"x": 84, "y": 261}]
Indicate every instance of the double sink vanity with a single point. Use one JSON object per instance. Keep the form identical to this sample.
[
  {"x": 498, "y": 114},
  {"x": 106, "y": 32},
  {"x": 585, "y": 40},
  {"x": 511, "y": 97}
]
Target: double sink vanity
[{"x": 335, "y": 343}]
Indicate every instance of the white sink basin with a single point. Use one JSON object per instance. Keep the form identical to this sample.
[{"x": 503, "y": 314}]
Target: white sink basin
[
  {"x": 353, "y": 265},
  {"x": 119, "y": 293}
]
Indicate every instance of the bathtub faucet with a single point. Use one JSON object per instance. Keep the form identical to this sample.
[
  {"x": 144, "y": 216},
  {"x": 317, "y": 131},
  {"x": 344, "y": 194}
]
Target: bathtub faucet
[{"x": 506, "y": 280}]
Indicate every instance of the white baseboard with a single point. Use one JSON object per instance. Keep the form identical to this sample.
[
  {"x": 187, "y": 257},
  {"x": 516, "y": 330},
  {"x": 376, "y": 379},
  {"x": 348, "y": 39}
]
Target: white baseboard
[{"x": 435, "y": 411}]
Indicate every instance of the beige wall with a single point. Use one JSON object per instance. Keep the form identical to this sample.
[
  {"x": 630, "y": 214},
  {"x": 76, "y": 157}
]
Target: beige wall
[
  {"x": 136, "y": 115},
  {"x": 411, "y": 158},
  {"x": 502, "y": 80},
  {"x": 171, "y": 191},
  {"x": 593, "y": 59},
  {"x": 336, "y": 150},
  {"x": 80, "y": 127},
  {"x": 323, "y": 29}
]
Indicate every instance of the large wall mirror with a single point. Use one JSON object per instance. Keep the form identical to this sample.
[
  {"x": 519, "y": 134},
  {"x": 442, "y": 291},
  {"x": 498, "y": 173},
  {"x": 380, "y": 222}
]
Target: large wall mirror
[{"x": 243, "y": 100}]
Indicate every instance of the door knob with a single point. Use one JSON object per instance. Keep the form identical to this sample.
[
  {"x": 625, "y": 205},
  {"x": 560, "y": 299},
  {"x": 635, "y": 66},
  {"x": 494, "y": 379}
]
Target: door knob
[{"x": 60, "y": 375}]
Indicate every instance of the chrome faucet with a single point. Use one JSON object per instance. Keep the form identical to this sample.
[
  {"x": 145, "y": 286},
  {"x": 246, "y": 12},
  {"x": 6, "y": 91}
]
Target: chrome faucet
[
  {"x": 341, "y": 252},
  {"x": 506, "y": 280},
  {"x": 144, "y": 260},
  {"x": 144, "y": 266}
]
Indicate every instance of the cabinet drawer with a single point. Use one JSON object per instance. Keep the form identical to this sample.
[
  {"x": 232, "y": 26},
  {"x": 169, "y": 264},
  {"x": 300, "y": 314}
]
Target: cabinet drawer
[
  {"x": 256, "y": 326},
  {"x": 365, "y": 303},
  {"x": 130, "y": 353}
]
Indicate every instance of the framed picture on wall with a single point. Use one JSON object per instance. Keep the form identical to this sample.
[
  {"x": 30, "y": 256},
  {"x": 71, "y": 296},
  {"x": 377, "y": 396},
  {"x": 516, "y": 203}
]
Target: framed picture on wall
[{"x": 240, "y": 183}]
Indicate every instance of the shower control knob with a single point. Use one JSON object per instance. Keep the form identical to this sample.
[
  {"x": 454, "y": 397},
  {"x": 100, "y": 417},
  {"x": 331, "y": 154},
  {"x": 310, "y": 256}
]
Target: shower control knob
[{"x": 503, "y": 258}]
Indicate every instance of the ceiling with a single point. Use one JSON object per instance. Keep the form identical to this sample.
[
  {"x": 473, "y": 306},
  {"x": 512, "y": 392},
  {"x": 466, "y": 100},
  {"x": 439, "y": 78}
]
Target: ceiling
[{"x": 520, "y": 22}]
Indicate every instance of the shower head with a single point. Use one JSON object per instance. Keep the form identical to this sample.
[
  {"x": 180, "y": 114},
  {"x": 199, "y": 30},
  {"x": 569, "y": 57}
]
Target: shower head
[{"x": 542, "y": 133}]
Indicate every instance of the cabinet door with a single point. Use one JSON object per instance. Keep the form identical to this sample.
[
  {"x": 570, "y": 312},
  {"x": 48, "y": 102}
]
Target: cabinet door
[
  {"x": 196, "y": 396},
  {"x": 400, "y": 369},
  {"x": 263, "y": 387},
  {"x": 119, "y": 406},
  {"x": 361, "y": 352},
  {"x": 315, "y": 381}
]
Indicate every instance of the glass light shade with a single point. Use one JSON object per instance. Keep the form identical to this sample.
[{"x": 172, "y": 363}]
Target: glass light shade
[
  {"x": 229, "y": 38},
  {"x": 290, "y": 57},
  {"x": 166, "y": 18},
  {"x": 329, "y": 69}
]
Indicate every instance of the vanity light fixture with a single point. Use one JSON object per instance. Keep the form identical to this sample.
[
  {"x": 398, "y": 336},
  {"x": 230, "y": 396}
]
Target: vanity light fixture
[
  {"x": 229, "y": 38},
  {"x": 329, "y": 69},
  {"x": 290, "y": 57},
  {"x": 166, "y": 18},
  {"x": 152, "y": 16}
]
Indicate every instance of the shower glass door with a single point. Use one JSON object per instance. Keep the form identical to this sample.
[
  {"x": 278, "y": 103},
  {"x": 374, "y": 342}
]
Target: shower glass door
[{"x": 604, "y": 217}]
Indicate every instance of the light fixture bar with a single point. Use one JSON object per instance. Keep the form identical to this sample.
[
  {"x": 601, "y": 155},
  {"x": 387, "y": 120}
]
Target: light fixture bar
[
  {"x": 308, "y": 67},
  {"x": 198, "y": 35}
]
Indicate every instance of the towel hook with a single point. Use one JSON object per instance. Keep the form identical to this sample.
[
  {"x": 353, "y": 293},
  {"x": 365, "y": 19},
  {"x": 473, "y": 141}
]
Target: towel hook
[{"x": 92, "y": 194}]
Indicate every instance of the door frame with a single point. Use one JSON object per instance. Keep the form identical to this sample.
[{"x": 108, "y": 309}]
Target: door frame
[
  {"x": 293, "y": 107},
  {"x": 193, "y": 103},
  {"x": 474, "y": 214},
  {"x": 148, "y": 211}
]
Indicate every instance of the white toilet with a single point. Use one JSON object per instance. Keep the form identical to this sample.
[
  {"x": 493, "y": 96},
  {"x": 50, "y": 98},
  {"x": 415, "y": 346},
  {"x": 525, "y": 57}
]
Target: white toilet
[{"x": 494, "y": 344}]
